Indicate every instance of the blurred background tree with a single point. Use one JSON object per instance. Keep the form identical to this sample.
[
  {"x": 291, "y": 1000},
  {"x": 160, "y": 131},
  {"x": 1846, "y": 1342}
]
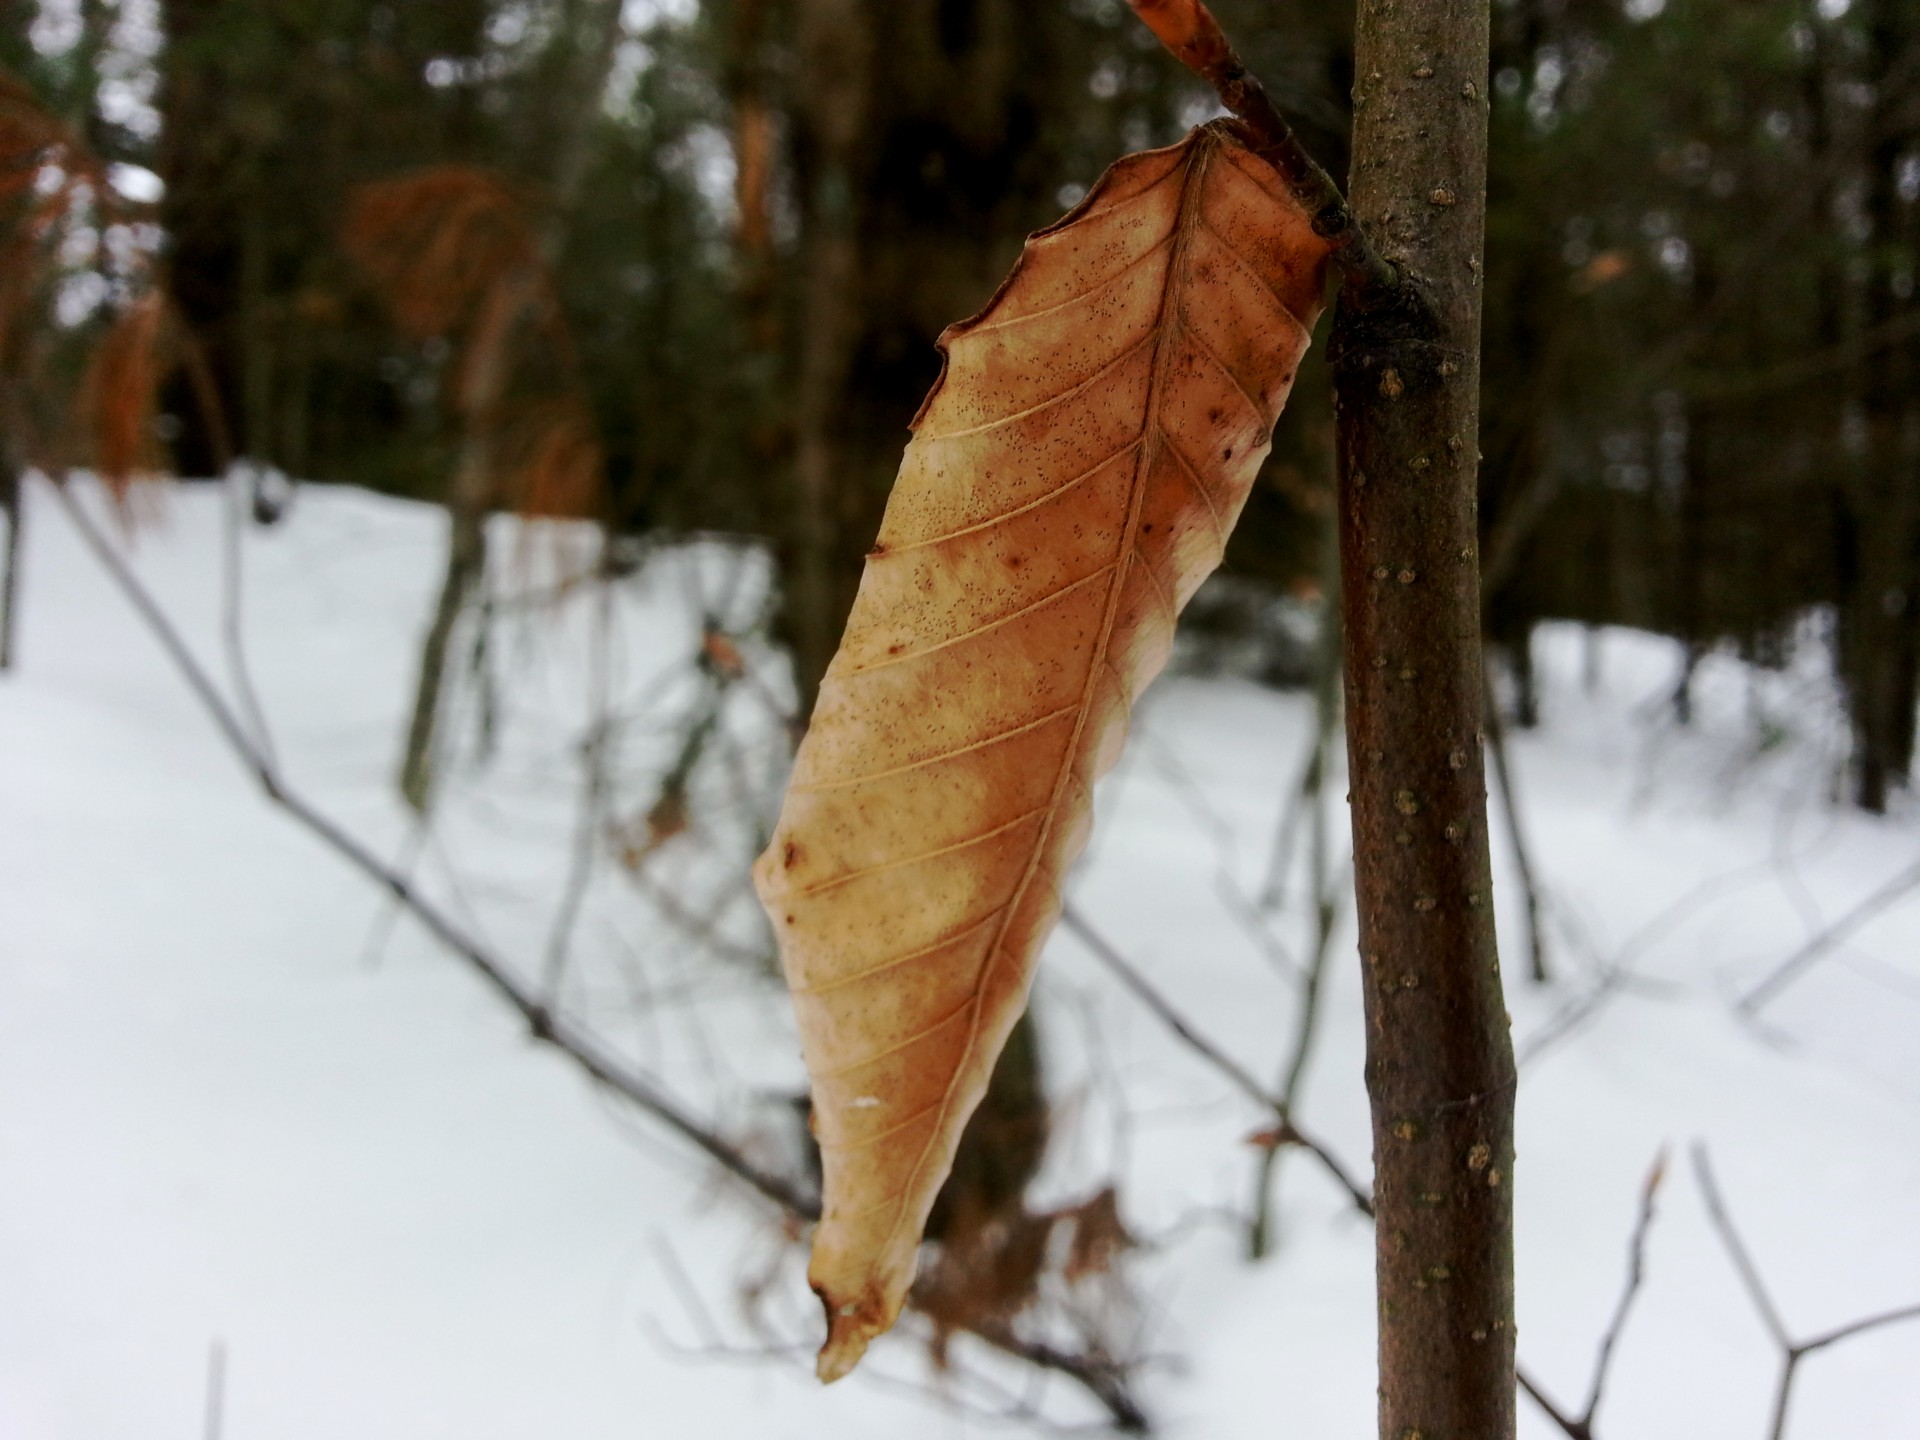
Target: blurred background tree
[{"x": 743, "y": 224}]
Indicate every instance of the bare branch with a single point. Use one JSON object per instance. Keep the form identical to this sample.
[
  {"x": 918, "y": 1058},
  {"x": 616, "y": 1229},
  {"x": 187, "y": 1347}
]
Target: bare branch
[
  {"x": 1581, "y": 1427},
  {"x": 1636, "y": 1273},
  {"x": 589, "y": 832},
  {"x": 1104, "y": 951},
  {"x": 1106, "y": 1380},
  {"x": 1859, "y": 1327},
  {"x": 233, "y": 606},
  {"x": 1241, "y": 1077},
  {"x": 1792, "y": 1352},
  {"x": 1835, "y": 934},
  {"x": 1618, "y": 973},
  {"x": 1576, "y": 1428},
  {"x": 1324, "y": 895},
  {"x": 1737, "y": 1250},
  {"x": 213, "y": 1424},
  {"x": 1496, "y": 732}
]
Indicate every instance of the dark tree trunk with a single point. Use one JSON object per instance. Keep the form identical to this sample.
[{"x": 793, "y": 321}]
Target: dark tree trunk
[
  {"x": 203, "y": 163},
  {"x": 1440, "y": 1073},
  {"x": 920, "y": 147},
  {"x": 1880, "y": 604}
]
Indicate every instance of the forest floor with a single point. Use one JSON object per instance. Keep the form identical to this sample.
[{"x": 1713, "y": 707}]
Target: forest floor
[{"x": 261, "y": 1136}]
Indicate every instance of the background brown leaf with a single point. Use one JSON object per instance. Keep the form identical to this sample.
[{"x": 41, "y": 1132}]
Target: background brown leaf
[{"x": 1071, "y": 480}]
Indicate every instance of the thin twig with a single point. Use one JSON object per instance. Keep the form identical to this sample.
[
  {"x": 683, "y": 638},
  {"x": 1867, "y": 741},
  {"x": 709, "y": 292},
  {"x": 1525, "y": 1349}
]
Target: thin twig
[
  {"x": 1792, "y": 1352},
  {"x": 1553, "y": 1412},
  {"x": 1190, "y": 32},
  {"x": 589, "y": 831},
  {"x": 213, "y": 1424},
  {"x": 682, "y": 1285},
  {"x": 1496, "y": 732},
  {"x": 1737, "y": 1250},
  {"x": 699, "y": 924},
  {"x": 233, "y": 610},
  {"x": 1835, "y": 934},
  {"x": 1104, "y": 951},
  {"x": 1636, "y": 1274},
  {"x": 1848, "y": 1331},
  {"x": 1325, "y": 894},
  {"x": 1618, "y": 973},
  {"x": 1274, "y": 892},
  {"x": 1105, "y": 1380},
  {"x": 1242, "y": 1078}
]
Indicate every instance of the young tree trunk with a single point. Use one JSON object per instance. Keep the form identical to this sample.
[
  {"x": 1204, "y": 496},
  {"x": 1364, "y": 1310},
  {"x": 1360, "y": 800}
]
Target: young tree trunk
[
  {"x": 467, "y": 506},
  {"x": 1440, "y": 1073},
  {"x": 10, "y": 509}
]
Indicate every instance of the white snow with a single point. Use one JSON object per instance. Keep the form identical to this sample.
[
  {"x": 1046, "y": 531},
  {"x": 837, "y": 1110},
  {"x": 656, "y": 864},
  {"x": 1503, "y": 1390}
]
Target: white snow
[{"x": 243, "y": 1105}]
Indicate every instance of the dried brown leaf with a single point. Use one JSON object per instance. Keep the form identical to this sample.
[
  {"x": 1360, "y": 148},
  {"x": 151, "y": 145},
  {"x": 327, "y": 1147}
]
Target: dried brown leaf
[
  {"x": 437, "y": 242},
  {"x": 1099, "y": 1237},
  {"x": 1071, "y": 480},
  {"x": 121, "y": 395}
]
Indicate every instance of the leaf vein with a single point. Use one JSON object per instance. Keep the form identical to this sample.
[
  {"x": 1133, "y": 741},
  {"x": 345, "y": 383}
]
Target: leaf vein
[
  {"x": 1199, "y": 487},
  {"x": 892, "y": 961},
  {"x": 899, "y": 1045},
  {"x": 985, "y": 627},
  {"x": 1259, "y": 279},
  {"x": 865, "y": 870},
  {"x": 1087, "y": 294},
  {"x": 1213, "y": 356},
  {"x": 1157, "y": 583},
  {"x": 943, "y": 755},
  {"x": 867, "y": 1142},
  {"x": 1007, "y": 515},
  {"x": 1051, "y": 401}
]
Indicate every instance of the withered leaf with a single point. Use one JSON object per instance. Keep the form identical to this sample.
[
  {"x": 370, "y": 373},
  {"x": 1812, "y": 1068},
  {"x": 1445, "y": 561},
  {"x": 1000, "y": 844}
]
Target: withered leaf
[{"x": 1071, "y": 480}]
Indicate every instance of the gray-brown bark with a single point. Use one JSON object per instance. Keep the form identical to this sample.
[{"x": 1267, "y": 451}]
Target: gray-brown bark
[
  {"x": 466, "y": 563},
  {"x": 10, "y": 510},
  {"x": 1439, "y": 1059}
]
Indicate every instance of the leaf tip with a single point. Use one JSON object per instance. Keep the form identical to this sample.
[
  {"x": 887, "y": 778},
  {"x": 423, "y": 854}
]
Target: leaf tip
[{"x": 850, "y": 1329}]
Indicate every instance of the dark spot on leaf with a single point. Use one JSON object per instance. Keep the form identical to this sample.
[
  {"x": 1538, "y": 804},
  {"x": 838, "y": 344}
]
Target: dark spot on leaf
[{"x": 790, "y": 855}]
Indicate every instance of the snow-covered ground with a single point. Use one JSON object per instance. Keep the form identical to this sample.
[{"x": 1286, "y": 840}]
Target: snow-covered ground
[{"x": 247, "y": 1112}]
